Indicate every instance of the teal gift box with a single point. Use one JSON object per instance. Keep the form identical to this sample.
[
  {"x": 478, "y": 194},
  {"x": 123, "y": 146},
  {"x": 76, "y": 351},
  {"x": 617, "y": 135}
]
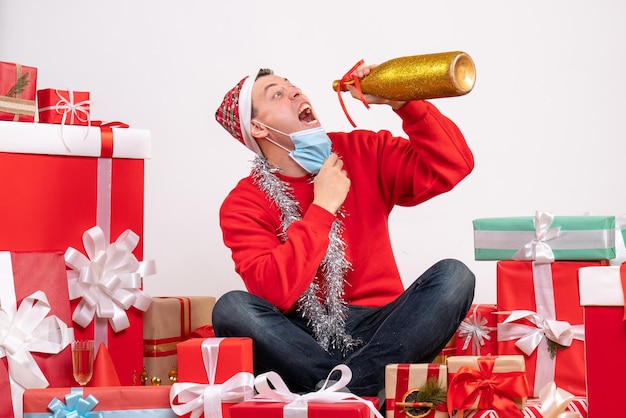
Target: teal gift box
[{"x": 545, "y": 238}]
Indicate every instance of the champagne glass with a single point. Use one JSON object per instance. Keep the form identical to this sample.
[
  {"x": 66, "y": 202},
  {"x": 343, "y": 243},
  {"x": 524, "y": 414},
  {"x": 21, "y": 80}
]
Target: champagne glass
[{"x": 82, "y": 361}]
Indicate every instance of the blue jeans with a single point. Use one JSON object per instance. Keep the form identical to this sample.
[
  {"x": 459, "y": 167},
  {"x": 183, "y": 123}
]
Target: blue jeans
[{"x": 414, "y": 328}]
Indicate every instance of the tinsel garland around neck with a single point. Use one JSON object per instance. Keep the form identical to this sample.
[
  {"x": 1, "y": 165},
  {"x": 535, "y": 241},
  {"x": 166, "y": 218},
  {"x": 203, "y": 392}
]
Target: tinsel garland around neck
[{"x": 326, "y": 317}]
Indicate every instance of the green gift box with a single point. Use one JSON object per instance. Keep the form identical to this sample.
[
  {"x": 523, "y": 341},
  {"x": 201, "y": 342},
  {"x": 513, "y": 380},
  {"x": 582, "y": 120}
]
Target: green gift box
[{"x": 545, "y": 238}]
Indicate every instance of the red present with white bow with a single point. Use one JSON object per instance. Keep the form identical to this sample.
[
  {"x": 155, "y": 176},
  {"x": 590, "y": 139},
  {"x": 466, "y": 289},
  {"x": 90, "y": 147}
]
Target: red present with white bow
[
  {"x": 213, "y": 375},
  {"x": 602, "y": 294},
  {"x": 65, "y": 107},
  {"x": 57, "y": 186},
  {"x": 35, "y": 326},
  {"x": 543, "y": 321},
  {"x": 404, "y": 381},
  {"x": 476, "y": 335},
  {"x": 275, "y": 400}
]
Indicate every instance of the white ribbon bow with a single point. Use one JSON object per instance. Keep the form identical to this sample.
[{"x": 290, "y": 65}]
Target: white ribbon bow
[
  {"x": 109, "y": 280},
  {"x": 199, "y": 398},
  {"x": 537, "y": 249},
  {"x": 554, "y": 401},
  {"x": 297, "y": 405},
  {"x": 30, "y": 329},
  {"x": 207, "y": 399},
  {"x": 528, "y": 337},
  {"x": 474, "y": 329}
]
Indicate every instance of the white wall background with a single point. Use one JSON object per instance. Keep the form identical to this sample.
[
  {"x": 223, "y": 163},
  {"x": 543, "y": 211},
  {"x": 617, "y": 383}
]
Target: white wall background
[{"x": 545, "y": 119}]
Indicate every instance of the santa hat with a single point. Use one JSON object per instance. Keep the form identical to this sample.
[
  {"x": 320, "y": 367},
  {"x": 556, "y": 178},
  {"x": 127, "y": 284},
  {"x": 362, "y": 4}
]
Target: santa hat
[{"x": 235, "y": 113}]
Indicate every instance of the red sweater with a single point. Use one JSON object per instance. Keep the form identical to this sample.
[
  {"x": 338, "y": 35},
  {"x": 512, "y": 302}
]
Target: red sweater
[{"x": 384, "y": 171}]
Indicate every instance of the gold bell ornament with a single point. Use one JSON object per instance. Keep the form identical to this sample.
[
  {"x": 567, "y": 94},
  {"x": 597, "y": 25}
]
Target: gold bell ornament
[
  {"x": 416, "y": 77},
  {"x": 173, "y": 375}
]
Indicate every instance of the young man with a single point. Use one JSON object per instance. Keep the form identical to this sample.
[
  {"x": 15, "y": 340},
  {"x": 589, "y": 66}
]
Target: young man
[{"x": 308, "y": 231}]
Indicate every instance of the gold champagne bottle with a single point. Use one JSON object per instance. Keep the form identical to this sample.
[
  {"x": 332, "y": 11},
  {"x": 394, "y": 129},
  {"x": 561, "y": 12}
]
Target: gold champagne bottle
[{"x": 417, "y": 77}]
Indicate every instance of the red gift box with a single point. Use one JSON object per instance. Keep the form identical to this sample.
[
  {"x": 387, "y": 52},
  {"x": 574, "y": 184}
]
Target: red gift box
[
  {"x": 234, "y": 355},
  {"x": 260, "y": 409},
  {"x": 18, "y": 84},
  {"x": 487, "y": 382},
  {"x": 602, "y": 294},
  {"x": 53, "y": 189},
  {"x": 66, "y": 107},
  {"x": 113, "y": 401},
  {"x": 544, "y": 300},
  {"x": 476, "y": 335},
  {"x": 275, "y": 400},
  {"x": 402, "y": 379},
  {"x": 225, "y": 363},
  {"x": 22, "y": 274}
]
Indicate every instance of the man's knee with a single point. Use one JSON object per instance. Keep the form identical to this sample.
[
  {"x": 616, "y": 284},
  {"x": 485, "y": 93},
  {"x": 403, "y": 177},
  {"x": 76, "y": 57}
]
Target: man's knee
[
  {"x": 228, "y": 308},
  {"x": 458, "y": 273}
]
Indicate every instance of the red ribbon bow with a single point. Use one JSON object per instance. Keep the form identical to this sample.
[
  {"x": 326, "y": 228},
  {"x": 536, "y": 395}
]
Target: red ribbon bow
[
  {"x": 493, "y": 390},
  {"x": 106, "y": 136},
  {"x": 348, "y": 78}
]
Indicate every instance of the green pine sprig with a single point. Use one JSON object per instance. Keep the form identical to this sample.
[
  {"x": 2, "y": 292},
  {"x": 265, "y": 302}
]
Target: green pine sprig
[
  {"x": 432, "y": 392},
  {"x": 553, "y": 347},
  {"x": 19, "y": 86}
]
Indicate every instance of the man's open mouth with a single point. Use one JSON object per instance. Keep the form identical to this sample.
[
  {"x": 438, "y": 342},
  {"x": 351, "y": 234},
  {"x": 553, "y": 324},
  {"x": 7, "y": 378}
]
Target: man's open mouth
[{"x": 305, "y": 114}]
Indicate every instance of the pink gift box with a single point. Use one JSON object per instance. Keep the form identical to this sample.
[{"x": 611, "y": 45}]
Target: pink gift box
[{"x": 113, "y": 401}]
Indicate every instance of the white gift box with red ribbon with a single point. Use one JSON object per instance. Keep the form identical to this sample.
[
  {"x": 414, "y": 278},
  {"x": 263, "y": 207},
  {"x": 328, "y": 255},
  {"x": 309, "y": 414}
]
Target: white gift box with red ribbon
[{"x": 61, "y": 183}]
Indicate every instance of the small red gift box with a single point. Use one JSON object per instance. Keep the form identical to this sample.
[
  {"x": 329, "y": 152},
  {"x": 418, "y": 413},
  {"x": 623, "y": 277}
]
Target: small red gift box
[
  {"x": 55, "y": 188},
  {"x": 476, "y": 335},
  {"x": 66, "y": 107},
  {"x": 401, "y": 380},
  {"x": 544, "y": 304},
  {"x": 169, "y": 321},
  {"x": 27, "y": 277},
  {"x": 234, "y": 354},
  {"x": 224, "y": 363},
  {"x": 488, "y": 382},
  {"x": 113, "y": 401},
  {"x": 602, "y": 294},
  {"x": 18, "y": 84}
]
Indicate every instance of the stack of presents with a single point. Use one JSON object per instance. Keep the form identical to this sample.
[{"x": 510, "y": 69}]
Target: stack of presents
[{"x": 72, "y": 268}]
